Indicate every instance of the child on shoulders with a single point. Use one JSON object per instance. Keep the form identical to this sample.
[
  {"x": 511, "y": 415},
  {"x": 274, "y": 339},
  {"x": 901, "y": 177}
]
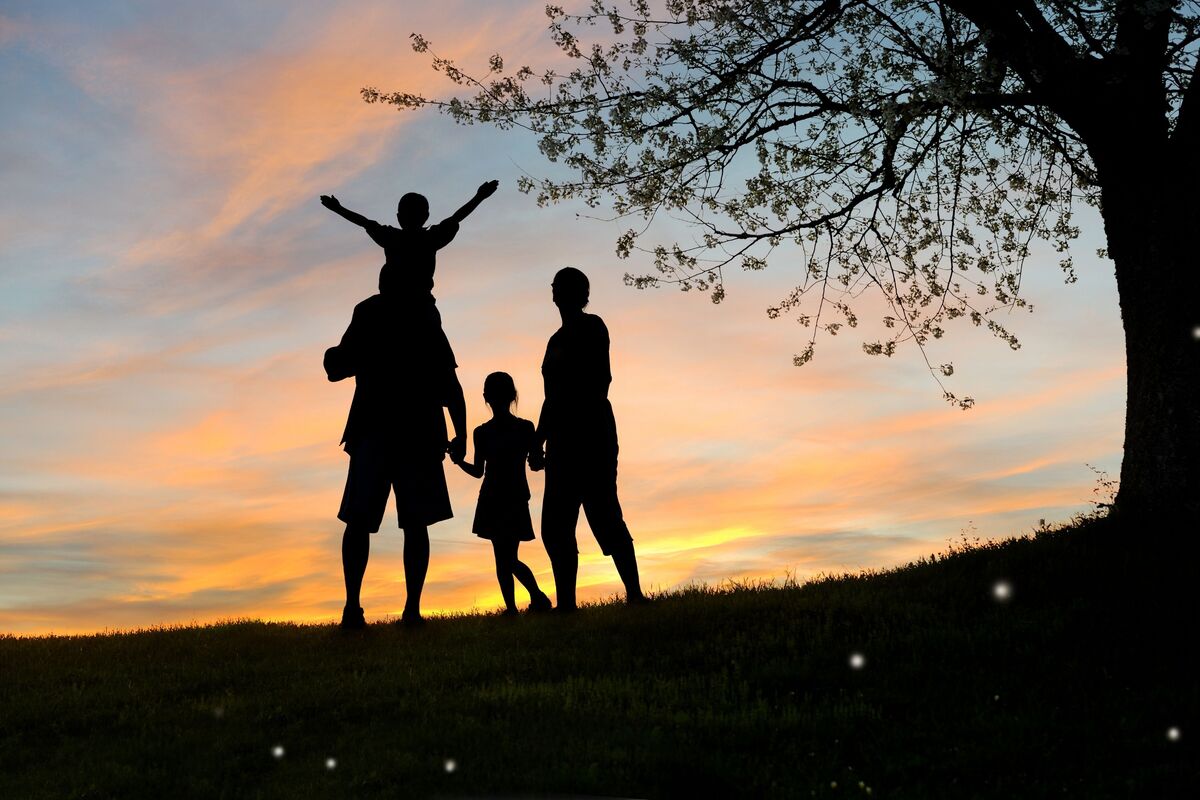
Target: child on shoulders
[{"x": 410, "y": 259}]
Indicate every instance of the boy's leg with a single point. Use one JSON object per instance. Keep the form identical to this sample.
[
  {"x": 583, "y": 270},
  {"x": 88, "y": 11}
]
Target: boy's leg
[
  {"x": 506, "y": 557},
  {"x": 416, "y": 564},
  {"x": 356, "y": 548}
]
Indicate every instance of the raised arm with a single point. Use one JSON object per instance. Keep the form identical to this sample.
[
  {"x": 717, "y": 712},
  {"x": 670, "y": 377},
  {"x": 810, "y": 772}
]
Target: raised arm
[
  {"x": 334, "y": 205},
  {"x": 484, "y": 191}
]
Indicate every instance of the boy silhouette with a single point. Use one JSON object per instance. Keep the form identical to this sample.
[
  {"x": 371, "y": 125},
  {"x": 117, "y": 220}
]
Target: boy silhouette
[{"x": 410, "y": 258}]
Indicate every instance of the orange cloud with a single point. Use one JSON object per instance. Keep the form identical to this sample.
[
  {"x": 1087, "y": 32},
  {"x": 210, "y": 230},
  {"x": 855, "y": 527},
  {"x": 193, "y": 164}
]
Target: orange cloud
[{"x": 220, "y": 500}]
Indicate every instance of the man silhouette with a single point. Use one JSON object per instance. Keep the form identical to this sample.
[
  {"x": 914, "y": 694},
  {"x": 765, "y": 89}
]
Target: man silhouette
[
  {"x": 396, "y": 437},
  {"x": 404, "y": 369},
  {"x": 580, "y": 433}
]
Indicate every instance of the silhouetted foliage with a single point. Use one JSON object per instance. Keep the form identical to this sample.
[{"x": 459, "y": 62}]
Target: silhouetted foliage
[{"x": 917, "y": 148}]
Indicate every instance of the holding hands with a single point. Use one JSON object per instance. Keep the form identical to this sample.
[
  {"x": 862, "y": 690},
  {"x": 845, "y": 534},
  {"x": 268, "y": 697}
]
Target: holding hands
[
  {"x": 537, "y": 459},
  {"x": 457, "y": 449}
]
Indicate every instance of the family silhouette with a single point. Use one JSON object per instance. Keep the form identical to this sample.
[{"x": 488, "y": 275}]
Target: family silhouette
[{"x": 405, "y": 375}]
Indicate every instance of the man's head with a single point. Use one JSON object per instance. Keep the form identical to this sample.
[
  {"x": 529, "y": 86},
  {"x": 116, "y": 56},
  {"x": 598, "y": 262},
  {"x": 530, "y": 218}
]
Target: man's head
[
  {"x": 570, "y": 289},
  {"x": 412, "y": 211}
]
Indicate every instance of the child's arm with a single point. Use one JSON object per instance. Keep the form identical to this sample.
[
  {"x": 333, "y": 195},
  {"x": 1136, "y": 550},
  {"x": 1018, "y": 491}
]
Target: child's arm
[
  {"x": 484, "y": 191},
  {"x": 474, "y": 470},
  {"x": 334, "y": 205}
]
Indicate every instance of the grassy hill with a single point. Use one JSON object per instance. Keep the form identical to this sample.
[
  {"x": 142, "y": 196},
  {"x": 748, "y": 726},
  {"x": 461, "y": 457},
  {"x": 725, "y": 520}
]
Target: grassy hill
[{"x": 1067, "y": 688}]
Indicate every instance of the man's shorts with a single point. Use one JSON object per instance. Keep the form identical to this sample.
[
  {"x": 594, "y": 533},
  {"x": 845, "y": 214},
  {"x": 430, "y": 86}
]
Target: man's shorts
[
  {"x": 376, "y": 470},
  {"x": 591, "y": 486}
]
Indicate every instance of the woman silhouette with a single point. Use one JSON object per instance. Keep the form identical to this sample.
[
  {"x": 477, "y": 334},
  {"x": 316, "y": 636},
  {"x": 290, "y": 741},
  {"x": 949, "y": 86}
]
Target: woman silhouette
[{"x": 580, "y": 433}]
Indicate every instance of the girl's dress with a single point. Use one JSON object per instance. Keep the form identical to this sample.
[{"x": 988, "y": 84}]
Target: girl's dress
[{"x": 503, "y": 508}]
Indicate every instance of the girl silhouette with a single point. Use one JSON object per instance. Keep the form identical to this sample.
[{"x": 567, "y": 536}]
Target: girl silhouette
[{"x": 502, "y": 515}]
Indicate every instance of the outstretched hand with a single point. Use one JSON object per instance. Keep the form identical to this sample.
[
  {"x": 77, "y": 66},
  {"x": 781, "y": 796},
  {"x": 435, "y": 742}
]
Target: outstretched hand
[
  {"x": 329, "y": 201},
  {"x": 487, "y": 189}
]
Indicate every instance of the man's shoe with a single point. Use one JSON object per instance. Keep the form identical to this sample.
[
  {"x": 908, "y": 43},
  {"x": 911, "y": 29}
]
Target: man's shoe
[
  {"x": 353, "y": 619},
  {"x": 540, "y": 603},
  {"x": 408, "y": 620},
  {"x": 637, "y": 600}
]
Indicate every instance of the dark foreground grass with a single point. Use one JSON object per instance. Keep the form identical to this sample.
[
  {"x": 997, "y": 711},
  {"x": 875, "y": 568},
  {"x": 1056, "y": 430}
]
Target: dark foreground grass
[{"x": 1068, "y": 689}]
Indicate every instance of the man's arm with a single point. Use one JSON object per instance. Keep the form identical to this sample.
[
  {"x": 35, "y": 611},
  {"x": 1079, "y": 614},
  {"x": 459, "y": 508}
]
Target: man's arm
[
  {"x": 338, "y": 365},
  {"x": 457, "y": 407},
  {"x": 341, "y": 359},
  {"x": 484, "y": 191},
  {"x": 474, "y": 470},
  {"x": 334, "y": 205}
]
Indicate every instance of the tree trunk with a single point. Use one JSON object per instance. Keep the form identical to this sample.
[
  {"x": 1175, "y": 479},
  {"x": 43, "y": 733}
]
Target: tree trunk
[{"x": 1152, "y": 220}]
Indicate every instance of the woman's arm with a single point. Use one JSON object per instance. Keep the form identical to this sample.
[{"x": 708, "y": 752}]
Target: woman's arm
[
  {"x": 537, "y": 453},
  {"x": 537, "y": 456},
  {"x": 542, "y": 432}
]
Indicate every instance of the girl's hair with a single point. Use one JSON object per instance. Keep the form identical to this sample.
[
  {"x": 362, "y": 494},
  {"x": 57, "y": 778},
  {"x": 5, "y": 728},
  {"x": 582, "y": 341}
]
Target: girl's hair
[{"x": 499, "y": 387}]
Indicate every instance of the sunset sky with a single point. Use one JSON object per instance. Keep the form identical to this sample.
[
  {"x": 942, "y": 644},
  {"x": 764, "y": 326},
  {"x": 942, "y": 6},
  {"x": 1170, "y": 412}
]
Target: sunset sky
[{"x": 169, "y": 282}]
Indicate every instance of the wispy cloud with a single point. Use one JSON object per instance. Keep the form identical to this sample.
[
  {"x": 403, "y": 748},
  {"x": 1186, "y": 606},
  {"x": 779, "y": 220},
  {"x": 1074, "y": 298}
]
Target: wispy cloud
[{"x": 169, "y": 284}]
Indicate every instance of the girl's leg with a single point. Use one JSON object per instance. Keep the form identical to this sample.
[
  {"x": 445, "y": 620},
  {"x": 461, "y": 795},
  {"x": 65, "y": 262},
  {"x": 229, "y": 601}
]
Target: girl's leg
[
  {"x": 525, "y": 575},
  {"x": 506, "y": 557}
]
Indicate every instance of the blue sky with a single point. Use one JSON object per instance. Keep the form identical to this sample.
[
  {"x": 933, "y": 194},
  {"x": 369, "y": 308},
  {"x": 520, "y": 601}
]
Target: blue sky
[{"x": 168, "y": 283}]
